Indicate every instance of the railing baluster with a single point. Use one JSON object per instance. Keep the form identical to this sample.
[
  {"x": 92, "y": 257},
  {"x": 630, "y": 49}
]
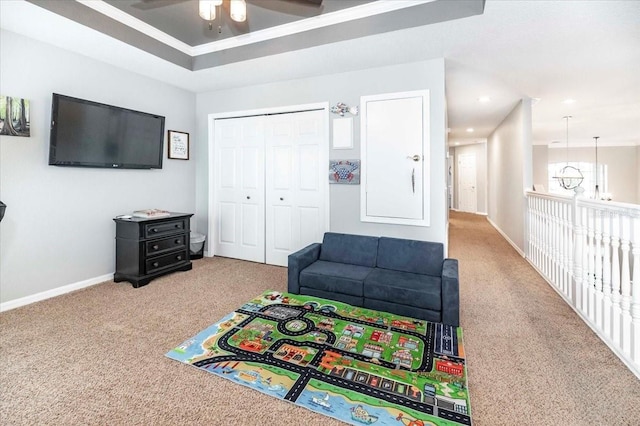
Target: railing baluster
[
  {"x": 635, "y": 307},
  {"x": 625, "y": 287},
  {"x": 578, "y": 247},
  {"x": 606, "y": 270},
  {"x": 597, "y": 271},
  {"x": 591, "y": 262},
  {"x": 616, "y": 300}
]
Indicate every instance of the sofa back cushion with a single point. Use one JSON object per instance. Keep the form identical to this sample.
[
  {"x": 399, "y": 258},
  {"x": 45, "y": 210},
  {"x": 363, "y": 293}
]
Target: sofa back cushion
[
  {"x": 418, "y": 257},
  {"x": 352, "y": 249}
]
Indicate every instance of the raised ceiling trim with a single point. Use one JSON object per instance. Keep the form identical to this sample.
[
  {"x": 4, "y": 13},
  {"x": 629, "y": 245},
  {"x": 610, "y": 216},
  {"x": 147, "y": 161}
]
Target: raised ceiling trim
[
  {"x": 138, "y": 25},
  {"x": 329, "y": 19}
]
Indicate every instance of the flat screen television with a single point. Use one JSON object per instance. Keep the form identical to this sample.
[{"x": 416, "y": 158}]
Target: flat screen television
[{"x": 91, "y": 134}]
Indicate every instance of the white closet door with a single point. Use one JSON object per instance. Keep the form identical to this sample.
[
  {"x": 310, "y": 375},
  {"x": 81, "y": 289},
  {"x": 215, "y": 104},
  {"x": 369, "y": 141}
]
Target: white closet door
[
  {"x": 295, "y": 183},
  {"x": 239, "y": 171}
]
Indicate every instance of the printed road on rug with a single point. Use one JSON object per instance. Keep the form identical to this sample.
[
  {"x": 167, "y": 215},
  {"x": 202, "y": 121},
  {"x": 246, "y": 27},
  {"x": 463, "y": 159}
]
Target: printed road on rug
[{"x": 353, "y": 364}]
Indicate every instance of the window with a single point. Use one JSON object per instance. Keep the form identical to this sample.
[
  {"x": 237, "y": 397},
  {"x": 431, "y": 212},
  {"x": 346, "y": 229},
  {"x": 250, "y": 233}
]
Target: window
[{"x": 589, "y": 182}]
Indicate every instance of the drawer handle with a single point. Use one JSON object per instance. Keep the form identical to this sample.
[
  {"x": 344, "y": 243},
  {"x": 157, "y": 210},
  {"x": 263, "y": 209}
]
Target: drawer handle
[
  {"x": 154, "y": 230},
  {"x": 248, "y": 198},
  {"x": 156, "y": 264},
  {"x": 178, "y": 226},
  {"x": 178, "y": 241},
  {"x": 155, "y": 247},
  {"x": 179, "y": 257}
]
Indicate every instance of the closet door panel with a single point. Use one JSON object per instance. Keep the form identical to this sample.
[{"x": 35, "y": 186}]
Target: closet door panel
[
  {"x": 293, "y": 180},
  {"x": 239, "y": 182}
]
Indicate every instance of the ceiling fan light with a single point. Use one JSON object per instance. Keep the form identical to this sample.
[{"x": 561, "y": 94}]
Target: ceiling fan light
[
  {"x": 207, "y": 9},
  {"x": 238, "y": 10}
]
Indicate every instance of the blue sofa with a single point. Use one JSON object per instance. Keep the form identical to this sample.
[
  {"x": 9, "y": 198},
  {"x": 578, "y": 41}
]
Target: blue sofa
[{"x": 403, "y": 277}]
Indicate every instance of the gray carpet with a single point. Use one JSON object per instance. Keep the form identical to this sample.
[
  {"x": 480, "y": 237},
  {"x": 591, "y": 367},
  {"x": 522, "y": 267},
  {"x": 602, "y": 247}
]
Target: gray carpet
[{"x": 96, "y": 356}]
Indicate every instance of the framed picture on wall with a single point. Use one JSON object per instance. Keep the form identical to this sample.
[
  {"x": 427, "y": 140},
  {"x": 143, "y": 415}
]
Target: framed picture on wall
[{"x": 178, "y": 145}]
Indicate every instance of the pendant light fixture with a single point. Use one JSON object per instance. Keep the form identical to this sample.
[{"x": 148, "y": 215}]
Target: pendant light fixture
[{"x": 569, "y": 177}]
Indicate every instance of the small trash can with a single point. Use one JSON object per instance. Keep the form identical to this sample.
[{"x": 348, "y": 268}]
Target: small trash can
[{"x": 196, "y": 245}]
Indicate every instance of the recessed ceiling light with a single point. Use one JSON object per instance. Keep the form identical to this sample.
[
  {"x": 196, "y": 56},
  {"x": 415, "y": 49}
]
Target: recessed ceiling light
[
  {"x": 470, "y": 129},
  {"x": 569, "y": 101},
  {"x": 484, "y": 99},
  {"x": 457, "y": 143}
]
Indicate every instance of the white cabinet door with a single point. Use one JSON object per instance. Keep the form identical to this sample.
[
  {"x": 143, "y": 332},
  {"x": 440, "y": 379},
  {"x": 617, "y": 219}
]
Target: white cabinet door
[
  {"x": 395, "y": 158},
  {"x": 239, "y": 180},
  {"x": 295, "y": 183}
]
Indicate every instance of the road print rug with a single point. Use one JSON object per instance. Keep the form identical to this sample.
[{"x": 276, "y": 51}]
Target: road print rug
[{"x": 353, "y": 364}]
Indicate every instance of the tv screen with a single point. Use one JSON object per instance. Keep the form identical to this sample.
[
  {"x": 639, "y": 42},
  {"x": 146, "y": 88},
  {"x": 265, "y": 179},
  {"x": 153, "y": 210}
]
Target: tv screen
[{"x": 91, "y": 134}]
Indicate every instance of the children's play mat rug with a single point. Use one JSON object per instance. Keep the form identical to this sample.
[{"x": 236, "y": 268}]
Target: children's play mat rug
[{"x": 353, "y": 364}]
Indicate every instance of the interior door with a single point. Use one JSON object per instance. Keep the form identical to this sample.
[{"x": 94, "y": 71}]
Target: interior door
[
  {"x": 467, "y": 194},
  {"x": 395, "y": 182},
  {"x": 295, "y": 183},
  {"x": 239, "y": 182}
]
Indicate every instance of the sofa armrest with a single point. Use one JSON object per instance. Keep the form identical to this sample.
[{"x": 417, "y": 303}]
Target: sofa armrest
[
  {"x": 450, "y": 293},
  {"x": 297, "y": 262}
]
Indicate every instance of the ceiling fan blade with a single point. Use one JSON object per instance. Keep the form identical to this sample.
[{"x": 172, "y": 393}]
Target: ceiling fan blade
[
  {"x": 154, "y": 4},
  {"x": 303, "y": 8}
]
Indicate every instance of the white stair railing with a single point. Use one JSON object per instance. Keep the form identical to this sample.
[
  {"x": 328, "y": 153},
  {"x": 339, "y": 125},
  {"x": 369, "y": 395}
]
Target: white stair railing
[{"x": 589, "y": 252}]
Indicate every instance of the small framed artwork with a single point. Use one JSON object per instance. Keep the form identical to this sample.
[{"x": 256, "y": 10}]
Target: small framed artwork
[
  {"x": 344, "y": 172},
  {"x": 178, "y": 145},
  {"x": 14, "y": 116}
]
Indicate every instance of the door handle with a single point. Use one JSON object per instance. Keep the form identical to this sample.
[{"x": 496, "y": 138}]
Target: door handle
[
  {"x": 413, "y": 180},
  {"x": 414, "y": 158}
]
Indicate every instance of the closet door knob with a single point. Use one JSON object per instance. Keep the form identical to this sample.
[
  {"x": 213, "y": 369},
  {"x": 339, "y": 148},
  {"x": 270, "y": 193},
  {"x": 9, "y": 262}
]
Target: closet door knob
[
  {"x": 248, "y": 198},
  {"x": 281, "y": 199}
]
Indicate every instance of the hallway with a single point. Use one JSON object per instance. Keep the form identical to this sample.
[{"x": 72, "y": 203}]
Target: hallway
[{"x": 531, "y": 359}]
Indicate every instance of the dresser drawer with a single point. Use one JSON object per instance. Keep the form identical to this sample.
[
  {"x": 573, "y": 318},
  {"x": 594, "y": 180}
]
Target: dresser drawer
[
  {"x": 164, "y": 228},
  {"x": 165, "y": 261},
  {"x": 155, "y": 247}
]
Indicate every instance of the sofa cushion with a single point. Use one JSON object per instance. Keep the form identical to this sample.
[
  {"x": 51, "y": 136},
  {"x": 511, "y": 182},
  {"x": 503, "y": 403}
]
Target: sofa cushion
[
  {"x": 352, "y": 249},
  {"x": 405, "y": 288},
  {"x": 404, "y": 310},
  {"x": 335, "y": 277},
  {"x": 418, "y": 257}
]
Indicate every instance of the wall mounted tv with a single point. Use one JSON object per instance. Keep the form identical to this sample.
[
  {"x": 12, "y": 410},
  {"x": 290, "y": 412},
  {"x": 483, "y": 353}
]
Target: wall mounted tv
[{"x": 91, "y": 134}]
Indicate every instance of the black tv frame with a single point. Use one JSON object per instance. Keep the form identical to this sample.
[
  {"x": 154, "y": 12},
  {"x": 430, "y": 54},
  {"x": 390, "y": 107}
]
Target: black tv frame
[{"x": 109, "y": 165}]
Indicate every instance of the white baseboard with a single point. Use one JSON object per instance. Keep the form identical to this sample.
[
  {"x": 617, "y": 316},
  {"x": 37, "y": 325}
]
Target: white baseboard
[
  {"x": 520, "y": 252},
  {"x": 16, "y": 303},
  {"x": 462, "y": 211}
]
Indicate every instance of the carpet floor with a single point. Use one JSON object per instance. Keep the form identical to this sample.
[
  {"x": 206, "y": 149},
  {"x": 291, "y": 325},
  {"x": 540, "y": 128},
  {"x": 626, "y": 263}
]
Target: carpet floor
[{"x": 96, "y": 356}]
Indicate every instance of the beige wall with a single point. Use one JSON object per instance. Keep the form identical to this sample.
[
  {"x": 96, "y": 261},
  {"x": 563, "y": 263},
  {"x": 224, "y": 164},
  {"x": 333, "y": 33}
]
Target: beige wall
[
  {"x": 540, "y": 161},
  {"x": 509, "y": 172},
  {"x": 623, "y": 167}
]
